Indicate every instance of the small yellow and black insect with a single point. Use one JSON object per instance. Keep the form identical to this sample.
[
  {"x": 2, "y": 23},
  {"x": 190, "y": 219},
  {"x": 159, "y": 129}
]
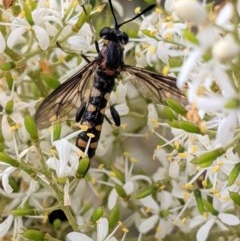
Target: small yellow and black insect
[{"x": 99, "y": 76}]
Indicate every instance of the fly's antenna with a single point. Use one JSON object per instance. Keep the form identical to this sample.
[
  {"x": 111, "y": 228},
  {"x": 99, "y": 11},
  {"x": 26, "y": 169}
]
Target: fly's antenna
[
  {"x": 115, "y": 19},
  {"x": 117, "y": 26},
  {"x": 138, "y": 15}
]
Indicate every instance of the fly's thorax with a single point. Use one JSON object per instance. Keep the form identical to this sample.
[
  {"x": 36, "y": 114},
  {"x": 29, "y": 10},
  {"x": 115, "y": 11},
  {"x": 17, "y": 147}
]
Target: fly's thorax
[{"x": 111, "y": 58}]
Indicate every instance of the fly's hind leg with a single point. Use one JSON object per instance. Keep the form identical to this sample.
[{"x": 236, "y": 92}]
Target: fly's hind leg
[
  {"x": 115, "y": 116},
  {"x": 80, "y": 113}
]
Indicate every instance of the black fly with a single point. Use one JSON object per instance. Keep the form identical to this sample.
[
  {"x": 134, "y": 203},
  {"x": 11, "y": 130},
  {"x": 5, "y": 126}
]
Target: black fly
[{"x": 99, "y": 76}]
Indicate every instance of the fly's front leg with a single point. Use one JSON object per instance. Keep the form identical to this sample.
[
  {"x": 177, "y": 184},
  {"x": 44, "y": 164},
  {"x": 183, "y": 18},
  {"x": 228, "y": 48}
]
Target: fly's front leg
[
  {"x": 97, "y": 47},
  {"x": 71, "y": 52}
]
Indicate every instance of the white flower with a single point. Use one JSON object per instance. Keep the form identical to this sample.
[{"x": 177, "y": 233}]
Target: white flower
[
  {"x": 14, "y": 120},
  {"x": 164, "y": 223},
  {"x": 82, "y": 40},
  {"x": 6, "y": 225},
  {"x": 201, "y": 75},
  {"x": 227, "y": 115},
  {"x": 152, "y": 117},
  {"x": 129, "y": 184},
  {"x": 14, "y": 225},
  {"x": 221, "y": 220},
  {"x": 162, "y": 172},
  {"x": 41, "y": 27},
  {"x": 77, "y": 236},
  {"x": 67, "y": 162},
  {"x": 224, "y": 16},
  {"x": 4, "y": 175},
  {"x": 102, "y": 233},
  {"x": 158, "y": 44}
]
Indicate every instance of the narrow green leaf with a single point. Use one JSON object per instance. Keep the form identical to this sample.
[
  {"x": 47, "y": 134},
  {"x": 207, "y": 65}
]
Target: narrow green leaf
[
  {"x": 235, "y": 196},
  {"x": 234, "y": 174},
  {"x": 207, "y": 158},
  {"x": 114, "y": 216},
  {"x": 199, "y": 201}
]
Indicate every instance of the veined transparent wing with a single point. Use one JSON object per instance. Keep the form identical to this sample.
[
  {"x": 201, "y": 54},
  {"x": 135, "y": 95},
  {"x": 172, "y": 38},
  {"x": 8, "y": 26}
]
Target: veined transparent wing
[
  {"x": 64, "y": 100},
  {"x": 153, "y": 85}
]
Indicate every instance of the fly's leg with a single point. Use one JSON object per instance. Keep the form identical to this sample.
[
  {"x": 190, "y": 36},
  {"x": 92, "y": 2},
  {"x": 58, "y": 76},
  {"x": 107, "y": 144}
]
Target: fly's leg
[
  {"x": 108, "y": 120},
  {"x": 80, "y": 113},
  {"x": 97, "y": 47},
  {"x": 98, "y": 51},
  {"x": 115, "y": 116},
  {"x": 85, "y": 58},
  {"x": 71, "y": 52}
]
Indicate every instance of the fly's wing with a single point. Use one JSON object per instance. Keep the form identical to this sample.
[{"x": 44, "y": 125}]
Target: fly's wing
[
  {"x": 64, "y": 100},
  {"x": 153, "y": 85}
]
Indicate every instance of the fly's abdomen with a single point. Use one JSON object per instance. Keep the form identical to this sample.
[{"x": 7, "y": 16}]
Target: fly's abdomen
[{"x": 95, "y": 110}]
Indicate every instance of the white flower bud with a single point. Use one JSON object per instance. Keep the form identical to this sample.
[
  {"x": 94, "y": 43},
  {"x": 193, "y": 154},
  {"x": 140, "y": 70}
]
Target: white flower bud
[
  {"x": 190, "y": 11},
  {"x": 225, "y": 49}
]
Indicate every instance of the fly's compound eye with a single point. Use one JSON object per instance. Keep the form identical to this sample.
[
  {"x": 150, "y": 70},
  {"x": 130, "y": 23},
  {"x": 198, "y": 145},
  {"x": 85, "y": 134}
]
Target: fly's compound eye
[
  {"x": 123, "y": 38},
  {"x": 105, "y": 32}
]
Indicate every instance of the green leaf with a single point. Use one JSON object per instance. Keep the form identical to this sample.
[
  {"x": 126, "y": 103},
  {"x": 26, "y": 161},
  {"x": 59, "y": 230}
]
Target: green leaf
[
  {"x": 23, "y": 212},
  {"x": 34, "y": 235},
  {"x": 235, "y": 196},
  {"x": 51, "y": 81},
  {"x": 234, "y": 174},
  {"x": 176, "y": 106},
  {"x": 97, "y": 214},
  {"x": 28, "y": 12},
  {"x": 143, "y": 193},
  {"x": 209, "y": 207},
  {"x": 186, "y": 126},
  {"x": 120, "y": 191},
  {"x": 31, "y": 127},
  {"x": 207, "y": 158},
  {"x": 190, "y": 37},
  {"x": 7, "y": 159},
  {"x": 57, "y": 131},
  {"x": 9, "y": 107},
  {"x": 83, "y": 167},
  {"x": 148, "y": 33},
  {"x": 7, "y": 66},
  {"x": 199, "y": 201},
  {"x": 83, "y": 18},
  {"x": 168, "y": 113},
  {"x": 114, "y": 216}
]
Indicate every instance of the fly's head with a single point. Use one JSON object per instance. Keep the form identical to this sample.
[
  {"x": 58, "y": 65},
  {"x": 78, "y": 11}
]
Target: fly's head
[{"x": 114, "y": 35}]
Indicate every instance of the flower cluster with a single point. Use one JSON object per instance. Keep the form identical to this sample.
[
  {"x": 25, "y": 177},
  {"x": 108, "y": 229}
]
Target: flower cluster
[
  {"x": 203, "y": 165},
  {"x": 170, "y": 171}
]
